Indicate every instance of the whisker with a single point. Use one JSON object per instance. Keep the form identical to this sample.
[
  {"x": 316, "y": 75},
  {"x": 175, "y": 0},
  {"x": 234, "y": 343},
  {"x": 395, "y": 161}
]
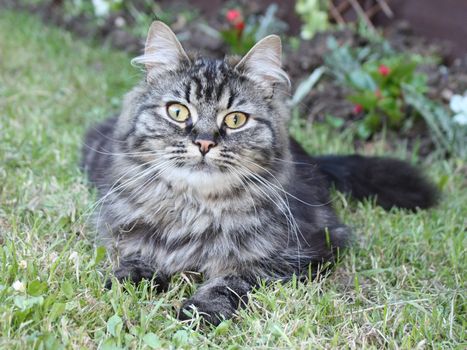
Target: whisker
[
  {"x": 281, "y": 188},
  {"x": 154, "y": 176},
  {"x": 291, "y": 223},
  {"x": 125, "y": 185},
  {"x": 107, "y": 136},
  {"x": 275, "y": 159},
  {"x": 117, "y": 186}
]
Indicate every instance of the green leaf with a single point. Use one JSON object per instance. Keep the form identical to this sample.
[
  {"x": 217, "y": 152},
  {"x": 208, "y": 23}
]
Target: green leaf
[
  {"x": 447, "y": 135},
  {"x": 109, "y": 344},
  {"x": 443, "y": 180},
  {"x": 372, "y": 122},
  {"x": 25, "y": 303},
  {"x": 56, "y": 311},
  {"x": 363, "y": 132},
  {"x": 100, "y": 254},
  {"x": 223, "y": 327},
  {"x": 403, "y": 70},
  {"x": 49, "y": 341},
  {"x": 362, "y": 80},
  {"x": 391, "y": 108},
  {"x": 419, "y": 83},
  {"x": 180, "y": 338},
  {"x": 36, "y": 288},
  {"x": 307, "y": 85},
  {"x": 152, "y": 340},
  {"x": 366, "y": 99},
  {"x": 334, "y": 121},
  {"x": 114, "y": 325},
  {"x": 67, "y": 289}
]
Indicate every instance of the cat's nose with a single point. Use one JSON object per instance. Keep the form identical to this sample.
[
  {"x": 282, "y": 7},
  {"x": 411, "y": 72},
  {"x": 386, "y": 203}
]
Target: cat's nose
[{"x": 204, "y": 145}]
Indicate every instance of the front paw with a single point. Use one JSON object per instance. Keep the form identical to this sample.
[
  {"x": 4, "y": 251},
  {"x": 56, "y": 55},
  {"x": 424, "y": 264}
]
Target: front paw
[
  {"x": 212, "y": 311},
  {"x": 136, "y": 274},
  {"x": 217, "y": 299}
]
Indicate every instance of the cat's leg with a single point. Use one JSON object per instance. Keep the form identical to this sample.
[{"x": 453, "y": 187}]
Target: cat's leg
[
  {"x": 133, "y": 257},
  {"x": 217, "y": 299},
  {"x": 135, "y": 269}
]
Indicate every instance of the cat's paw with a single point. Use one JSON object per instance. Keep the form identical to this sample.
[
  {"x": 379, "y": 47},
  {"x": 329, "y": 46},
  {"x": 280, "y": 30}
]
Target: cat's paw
[
  {"x": 212, "y": 311},
  {"x": 136, "y": 274}
]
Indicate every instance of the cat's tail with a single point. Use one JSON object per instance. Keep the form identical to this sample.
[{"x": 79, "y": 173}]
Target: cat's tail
[{"x": 393, "y": 182}]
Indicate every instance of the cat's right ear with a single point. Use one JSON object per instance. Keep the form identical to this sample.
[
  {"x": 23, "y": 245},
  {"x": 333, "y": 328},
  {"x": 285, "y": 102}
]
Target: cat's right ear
[{"x": 162, "y": 52}]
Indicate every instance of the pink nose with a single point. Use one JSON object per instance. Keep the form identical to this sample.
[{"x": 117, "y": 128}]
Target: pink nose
[{"x": 205, "y": 145}]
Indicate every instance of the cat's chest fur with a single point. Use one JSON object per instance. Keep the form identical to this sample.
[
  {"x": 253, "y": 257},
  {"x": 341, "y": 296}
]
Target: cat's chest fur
[
  {"x": 189, "y": 230},
  {"x": 178, "y": 211}
]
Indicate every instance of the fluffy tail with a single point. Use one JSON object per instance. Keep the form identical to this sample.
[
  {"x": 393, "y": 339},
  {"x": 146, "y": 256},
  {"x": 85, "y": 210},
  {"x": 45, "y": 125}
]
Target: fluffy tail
[{"x": 393, "y": 182}]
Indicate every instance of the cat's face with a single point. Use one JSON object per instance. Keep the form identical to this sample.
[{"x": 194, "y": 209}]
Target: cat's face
[{"x": 209, "y": 123}]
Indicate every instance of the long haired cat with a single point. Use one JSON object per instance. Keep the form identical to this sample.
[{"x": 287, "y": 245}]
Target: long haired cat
[{"x": 198, "y": 173}]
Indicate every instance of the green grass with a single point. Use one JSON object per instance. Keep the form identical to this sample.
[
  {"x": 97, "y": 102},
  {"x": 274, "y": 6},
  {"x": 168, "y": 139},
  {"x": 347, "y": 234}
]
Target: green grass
[{"x": 402, "y": 285}]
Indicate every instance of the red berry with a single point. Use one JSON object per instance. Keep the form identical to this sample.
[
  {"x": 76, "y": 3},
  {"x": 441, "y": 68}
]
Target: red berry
[
  {"x": 240, "y": 26},
  {"x": 357, "y": 109},
  {"x": 384, "y": 70},
  {"x": 233, "y": 15}
]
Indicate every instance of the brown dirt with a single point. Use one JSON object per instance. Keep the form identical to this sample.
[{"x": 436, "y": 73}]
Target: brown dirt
[{"x": 327, "y": 98}]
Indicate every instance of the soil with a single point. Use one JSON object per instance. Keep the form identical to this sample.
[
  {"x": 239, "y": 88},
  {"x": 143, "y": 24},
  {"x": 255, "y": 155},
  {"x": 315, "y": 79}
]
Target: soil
[{"x": 327, "y": 98}]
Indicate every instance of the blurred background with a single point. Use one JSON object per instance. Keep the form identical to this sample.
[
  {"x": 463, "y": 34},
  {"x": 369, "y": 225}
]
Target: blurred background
[{"x": 371, "y": 69}]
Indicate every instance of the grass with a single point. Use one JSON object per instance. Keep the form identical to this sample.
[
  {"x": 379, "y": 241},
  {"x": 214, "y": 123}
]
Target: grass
[{"x": 402, "y": 285}]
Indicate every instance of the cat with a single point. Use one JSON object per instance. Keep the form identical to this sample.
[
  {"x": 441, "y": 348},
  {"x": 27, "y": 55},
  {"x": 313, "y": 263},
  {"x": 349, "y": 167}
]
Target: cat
[{"x": 199, "y": 173}]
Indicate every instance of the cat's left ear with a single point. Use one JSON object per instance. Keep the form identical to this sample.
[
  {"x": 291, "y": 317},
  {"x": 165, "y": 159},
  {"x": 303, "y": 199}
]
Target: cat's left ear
[
  {"x": 162, "y": 52},
  {"x": 263, "y": 62}
]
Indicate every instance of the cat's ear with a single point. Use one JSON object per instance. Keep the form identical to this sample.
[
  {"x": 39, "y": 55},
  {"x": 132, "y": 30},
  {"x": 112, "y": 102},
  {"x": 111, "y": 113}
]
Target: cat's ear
[
  {"x": 263, "y": 62},
  {"x": 162, "y": 51}
]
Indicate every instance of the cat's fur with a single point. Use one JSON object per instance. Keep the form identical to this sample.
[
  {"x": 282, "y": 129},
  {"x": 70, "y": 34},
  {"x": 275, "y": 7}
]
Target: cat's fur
[{"x": 256, "y": 206}]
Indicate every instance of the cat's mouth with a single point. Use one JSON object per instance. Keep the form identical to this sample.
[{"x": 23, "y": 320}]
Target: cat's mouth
[
  {"x": 208, "y": 176},
  {"x": 209, "y": 164},
  {"x": 203, "y": 165}
]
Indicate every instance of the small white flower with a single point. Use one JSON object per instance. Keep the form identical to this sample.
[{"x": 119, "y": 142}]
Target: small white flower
[
  {"x": 458, "y": 104},
  {"x": 101, "y": 7},
  {"x": 23, "y": 264},
  {"x": 74, "y": 257},
  {"x": 461, "y": 118},
  {"x": 18, "y": 286},
  {"x": 120, "y": 22}
]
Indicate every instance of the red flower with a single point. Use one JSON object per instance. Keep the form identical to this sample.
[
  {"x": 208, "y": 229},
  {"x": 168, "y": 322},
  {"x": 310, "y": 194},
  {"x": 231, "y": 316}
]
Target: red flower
[
  {"x": 233, "y": 16},
  {"x": 357, "y": 109},
  {"x": 240, "y": 26},
  {"x": 384, "y": 70}
]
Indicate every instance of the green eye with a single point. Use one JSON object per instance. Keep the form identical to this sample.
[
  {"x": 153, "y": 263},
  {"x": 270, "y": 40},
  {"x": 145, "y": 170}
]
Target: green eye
[
  {"x": 235, "y": 120},
  {"x": 178, "y": 112}
]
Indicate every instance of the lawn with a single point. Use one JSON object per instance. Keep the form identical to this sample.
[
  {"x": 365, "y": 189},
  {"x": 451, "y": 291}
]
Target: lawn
[{"x": 401, "y": 285}]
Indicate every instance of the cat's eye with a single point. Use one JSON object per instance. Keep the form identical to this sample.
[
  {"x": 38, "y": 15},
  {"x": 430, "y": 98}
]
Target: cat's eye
[
  {"x": 235, "y": 120},
  {"x": 178, "y": 112}
]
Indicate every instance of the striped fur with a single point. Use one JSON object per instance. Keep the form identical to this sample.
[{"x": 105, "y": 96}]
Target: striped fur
[{"x": 245, "y": 211}]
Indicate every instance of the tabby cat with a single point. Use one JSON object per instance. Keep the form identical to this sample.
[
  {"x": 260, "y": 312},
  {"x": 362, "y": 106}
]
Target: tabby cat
[{"x": 198, "y": 173}]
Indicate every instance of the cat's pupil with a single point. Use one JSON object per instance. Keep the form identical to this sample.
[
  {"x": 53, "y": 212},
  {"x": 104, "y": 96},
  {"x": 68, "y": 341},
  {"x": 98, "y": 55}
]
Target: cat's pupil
[{"x": 235, "y": 119}]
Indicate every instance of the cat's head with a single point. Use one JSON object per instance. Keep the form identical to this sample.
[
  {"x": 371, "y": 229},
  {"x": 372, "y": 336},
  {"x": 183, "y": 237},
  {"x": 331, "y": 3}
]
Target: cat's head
[{"x": 206, "y": 122}]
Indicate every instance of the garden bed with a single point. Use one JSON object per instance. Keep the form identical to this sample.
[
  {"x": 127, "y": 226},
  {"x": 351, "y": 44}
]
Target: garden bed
[{"x": 327, "y": 102}]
